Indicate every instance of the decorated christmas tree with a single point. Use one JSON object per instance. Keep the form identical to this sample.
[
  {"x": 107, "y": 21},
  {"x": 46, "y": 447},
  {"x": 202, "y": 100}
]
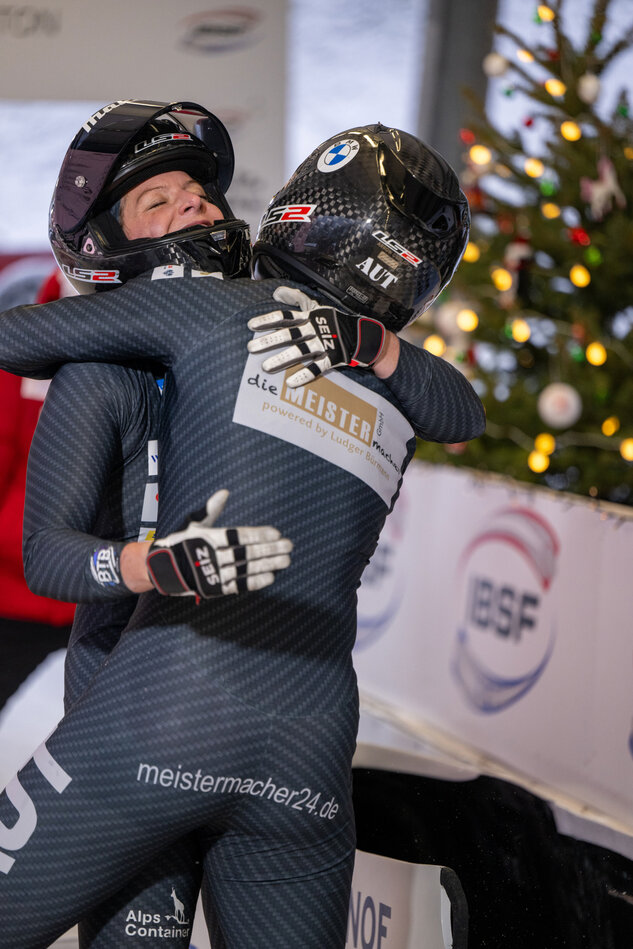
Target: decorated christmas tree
[{"x": 540, "y": 311}]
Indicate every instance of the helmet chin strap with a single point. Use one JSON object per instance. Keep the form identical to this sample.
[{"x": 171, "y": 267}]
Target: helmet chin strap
[{"x": 285, "y": 267}]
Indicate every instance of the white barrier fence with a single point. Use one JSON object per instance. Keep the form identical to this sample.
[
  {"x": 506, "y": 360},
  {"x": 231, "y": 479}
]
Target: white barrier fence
[{"x": 494, "y": 638}]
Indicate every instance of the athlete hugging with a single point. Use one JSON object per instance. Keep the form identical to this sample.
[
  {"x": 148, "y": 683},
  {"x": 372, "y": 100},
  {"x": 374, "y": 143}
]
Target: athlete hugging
[{"x": 211, "y": 701}]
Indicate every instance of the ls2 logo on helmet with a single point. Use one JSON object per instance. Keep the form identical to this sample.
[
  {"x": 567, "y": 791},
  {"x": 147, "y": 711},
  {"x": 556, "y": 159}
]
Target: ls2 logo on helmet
[
  {"x": 506, "y": 629},
  {"x": 287, "y": 212},
  {"x": 338, "y": 155},
  {"x": 397, "y": 248},
  {"x": 162, "y": 139},
  {"x": 91, "y": 276}
]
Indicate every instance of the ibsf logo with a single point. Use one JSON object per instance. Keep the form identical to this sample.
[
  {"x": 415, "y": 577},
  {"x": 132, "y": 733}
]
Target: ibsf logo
[{"x": 507, "y": 625}]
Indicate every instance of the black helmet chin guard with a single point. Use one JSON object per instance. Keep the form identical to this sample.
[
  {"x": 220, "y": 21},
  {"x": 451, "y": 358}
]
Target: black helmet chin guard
[
  {"x": 119, "y": 147},
  {"x": 373, "y": 219}
]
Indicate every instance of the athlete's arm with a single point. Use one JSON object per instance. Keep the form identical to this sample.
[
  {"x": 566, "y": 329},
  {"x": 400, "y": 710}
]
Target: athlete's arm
[
  {"x": 74, "y": 480},
  {"x": 136, "y": 323},
  {"x": 437, "y": 399}
]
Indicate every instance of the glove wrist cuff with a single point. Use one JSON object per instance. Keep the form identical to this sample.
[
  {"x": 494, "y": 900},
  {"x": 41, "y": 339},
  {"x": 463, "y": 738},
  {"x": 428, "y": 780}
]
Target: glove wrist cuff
[
  {"x": 164, "y": 572},
  {"x": 370, "y": 342}
]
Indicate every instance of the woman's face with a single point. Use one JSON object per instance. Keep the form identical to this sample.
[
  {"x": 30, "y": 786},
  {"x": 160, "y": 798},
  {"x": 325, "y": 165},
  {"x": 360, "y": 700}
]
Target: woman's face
[{"x": 167, "y": 202}]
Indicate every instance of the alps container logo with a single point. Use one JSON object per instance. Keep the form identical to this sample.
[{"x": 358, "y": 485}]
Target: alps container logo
[{"x": 507, "y": 624}]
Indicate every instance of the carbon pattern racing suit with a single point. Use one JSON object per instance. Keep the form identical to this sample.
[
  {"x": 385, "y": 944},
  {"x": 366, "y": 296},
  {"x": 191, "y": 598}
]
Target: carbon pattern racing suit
[
  {"x": 91, "y": 488},
  {"x": 235, "y": 719}
]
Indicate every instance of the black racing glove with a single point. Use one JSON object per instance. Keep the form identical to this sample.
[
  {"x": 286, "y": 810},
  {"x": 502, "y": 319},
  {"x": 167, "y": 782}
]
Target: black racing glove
[
  {"x": 326, "y": 336},
  {"x": 206, "y": 561}
]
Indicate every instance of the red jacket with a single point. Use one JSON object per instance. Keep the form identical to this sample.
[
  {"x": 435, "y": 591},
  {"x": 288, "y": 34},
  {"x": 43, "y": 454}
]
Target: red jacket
[{"x": 20, "y": 404}]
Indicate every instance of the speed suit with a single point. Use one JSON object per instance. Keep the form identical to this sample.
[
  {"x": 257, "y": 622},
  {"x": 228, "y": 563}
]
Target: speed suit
[
  {"x": 91, "y": 488},
  {"x": 236, "y": 719}
]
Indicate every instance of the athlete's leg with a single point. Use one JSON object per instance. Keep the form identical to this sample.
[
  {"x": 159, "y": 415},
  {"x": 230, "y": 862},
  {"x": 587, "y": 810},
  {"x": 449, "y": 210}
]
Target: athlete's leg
[
  {"x": 282, "y": 876},
  {"x": 130, "y": 770},
  {"x": 310, "y": 912},
  {"x": 123, "y": 918},
  {"x": 159, "y": 903}
]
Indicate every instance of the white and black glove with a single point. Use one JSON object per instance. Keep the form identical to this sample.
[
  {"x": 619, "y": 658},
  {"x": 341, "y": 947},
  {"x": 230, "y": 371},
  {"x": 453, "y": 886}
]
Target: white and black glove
[
  {"x": 206, "y": 561},
  {"x": 326, "y": 336}
]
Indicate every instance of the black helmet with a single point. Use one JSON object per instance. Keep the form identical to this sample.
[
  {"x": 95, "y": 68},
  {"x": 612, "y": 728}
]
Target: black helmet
[
  {"x": 373, "y": 218},
  {"x": 117, "y": 148}
]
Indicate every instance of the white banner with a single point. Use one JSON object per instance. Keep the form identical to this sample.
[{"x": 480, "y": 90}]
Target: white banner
[
  {"x": 494, "y": 632},
  {"x": 229, "y": 57}
]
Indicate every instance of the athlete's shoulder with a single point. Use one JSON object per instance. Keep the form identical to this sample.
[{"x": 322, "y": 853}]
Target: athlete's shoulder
[{"x": 111, "y": 382}]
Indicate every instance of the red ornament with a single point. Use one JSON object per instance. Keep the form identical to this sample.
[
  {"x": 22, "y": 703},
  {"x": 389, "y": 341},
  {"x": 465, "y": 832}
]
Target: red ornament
[
  {"x": 467, "y": 137},
  {"x": 475, "y": 198},
  {"x": 553, "y": 55},
  {"x": 528, "y": 121},
  {"x": 579, "y": 236}
]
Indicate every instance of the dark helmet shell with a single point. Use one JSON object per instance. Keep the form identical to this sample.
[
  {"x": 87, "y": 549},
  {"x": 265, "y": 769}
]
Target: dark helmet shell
[
  {"x": 374, "y": 218},
  {"x": 117, "y": 148}
]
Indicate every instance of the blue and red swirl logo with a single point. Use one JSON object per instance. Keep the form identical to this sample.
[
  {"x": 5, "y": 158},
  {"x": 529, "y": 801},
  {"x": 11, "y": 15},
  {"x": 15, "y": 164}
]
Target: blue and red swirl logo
[{"x": 507, "y": 628}]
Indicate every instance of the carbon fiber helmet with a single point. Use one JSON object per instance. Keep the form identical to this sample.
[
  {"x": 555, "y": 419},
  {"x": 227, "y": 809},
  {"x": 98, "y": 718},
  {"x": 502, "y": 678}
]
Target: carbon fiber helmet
[
  {"x": 374, "y": 219},
  {"x": 119, "y": 147}
]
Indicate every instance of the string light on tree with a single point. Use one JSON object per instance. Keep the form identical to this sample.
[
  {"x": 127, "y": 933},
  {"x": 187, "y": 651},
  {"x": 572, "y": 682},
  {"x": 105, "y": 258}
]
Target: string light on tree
[
  {"x": 626, "y": 449},
  {"x": 545, "y": 13},
  {"x": 610, "y": 425},
  {"x": 435, "y": 344},
  {"x": 520, "y": 330},
  {"x": 593, "y": 256},
  {"x": 555, "y": 87},
  {"x": 579, "y": 276},
  {"x": 545, "y": 443},
  {"x": 570, "y": 131},
  {"x": 467, "y": 320},
  {"x": 501, "y": 278},
  {"x": 538, "y": 461},
  {"x": 534, "y": 167},
  {"x": 550, "y": 210},
  {"x": 472, "y": 253},
  {"x": 596, "y": 354},
  {"x": 480, "y": 155},
  {"x": 579, "y": 236}
]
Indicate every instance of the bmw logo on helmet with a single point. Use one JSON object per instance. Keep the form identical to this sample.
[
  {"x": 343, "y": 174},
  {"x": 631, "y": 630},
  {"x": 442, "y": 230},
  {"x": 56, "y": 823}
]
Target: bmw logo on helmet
[{"x": 338, "y": 155}]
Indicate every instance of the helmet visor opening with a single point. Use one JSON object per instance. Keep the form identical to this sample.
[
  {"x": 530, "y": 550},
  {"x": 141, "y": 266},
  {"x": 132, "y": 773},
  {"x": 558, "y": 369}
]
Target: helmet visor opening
[{"x": 435, "y": 213}]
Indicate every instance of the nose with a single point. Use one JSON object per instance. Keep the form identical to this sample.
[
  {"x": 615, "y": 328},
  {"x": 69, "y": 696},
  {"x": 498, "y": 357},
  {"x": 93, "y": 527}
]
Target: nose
[
  {"x": 192, "y": 206},
  {"x": 189, "y": 201}
]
